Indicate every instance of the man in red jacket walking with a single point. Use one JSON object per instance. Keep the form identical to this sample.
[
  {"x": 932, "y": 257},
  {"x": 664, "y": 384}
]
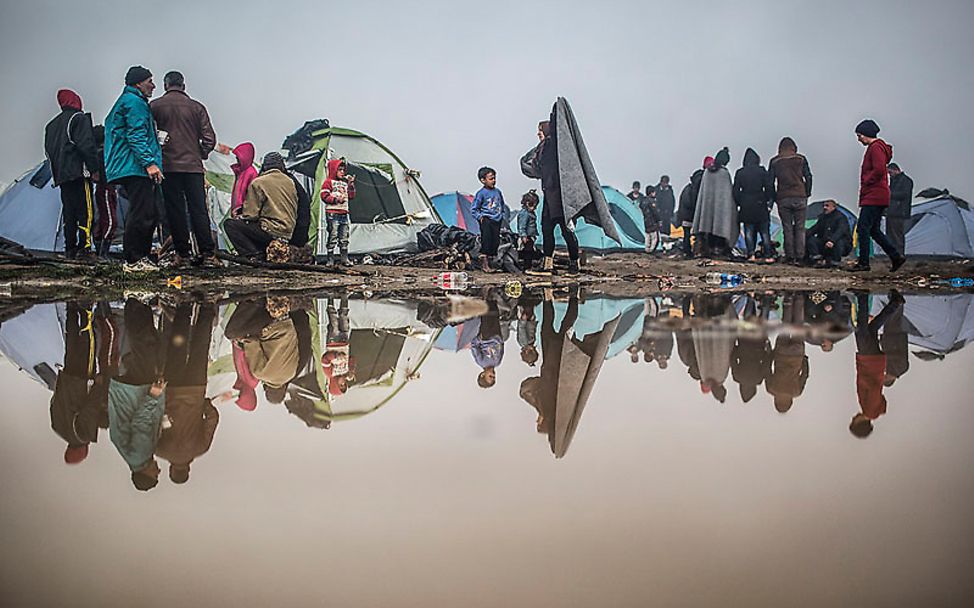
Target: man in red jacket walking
[{"x": 874, "y": 197}]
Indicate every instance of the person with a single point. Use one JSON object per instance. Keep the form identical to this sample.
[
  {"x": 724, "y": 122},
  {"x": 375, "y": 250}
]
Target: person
[
  {"x": 830, "y": 239},
  {"x": 715, "y": 216},
  {"x": 712, "y": 344},
  {"x": 688, "y": 205},
  {"x": 751, "y": 197},
  {"x": 337, "y": 190},
  {"x": 751, "y": 364},
  {"x": 190, "y": 141},
  {"x": 337, "y": 362},
  {"x": 870, "y": 362},
  {"x": 69, "y": 143},
  {"x": 527, "y": 229},
  {"x": 789, "y": 363},
  {"x": 137, "y": 396},
  {"x": 665, "y": 204},
  {"x": 895, "y": 342},
  {"x": 636, "y": 193},
  {"x": 790, "y": 185},
  {"x": 192, "y": 419},
  {"x": 488, "y": 209},
  {"x": 133, "y": 159},
  {"x": 269, "y": 212},
  {"x": 527, "y": 328},
  {"x": 900, "y": 206},
  {"x": 488, "y": 347},
  {"x": 106, "y": 203},
  {"x": 874, "y": 197},
  {"x": 244, "y": 172},
  {"x": 651, "y": 221},
  {"x": 268, "y": 340}
]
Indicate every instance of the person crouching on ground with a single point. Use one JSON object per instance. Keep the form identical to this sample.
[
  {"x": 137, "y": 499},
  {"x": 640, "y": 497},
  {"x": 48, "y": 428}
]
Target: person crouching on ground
[
  {"x": 488, "y": 210},
  {"x": 527, "y": 229},
  {"x": 651, "y": 222},
  {"x": 829, "y": 240},
  {"x": 874, "y": 197},
  {"x": 336, "y": 191},
  {"x": 269, "y": 212}
]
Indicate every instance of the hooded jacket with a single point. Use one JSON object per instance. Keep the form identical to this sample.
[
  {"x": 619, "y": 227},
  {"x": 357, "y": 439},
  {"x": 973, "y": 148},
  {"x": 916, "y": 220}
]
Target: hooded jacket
[
  {"x": 131, "y": 145},
  {"x": 244, "y": 173},
  {"x": 194, "y": 421},
  {"x": 688, "y": 197},
  {"x": 272, "y": 199},
  {"x": 665, "y": 202},
  {"x": 69, "y": 143},
  {"x": 874, "y": 178},
  {"x": 335, "y": 192},
  {"x": 900, "y": 196},
  {"x": 191, "y": 136},
  {"x": 751, "y": 190},
  {"x": 789, "y": 175}
]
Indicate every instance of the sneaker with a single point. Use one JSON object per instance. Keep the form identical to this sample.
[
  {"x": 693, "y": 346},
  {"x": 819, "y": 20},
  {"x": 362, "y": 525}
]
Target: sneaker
[
  {"x": 143, "y": 265},
  {"x": 146, "y": 297},
  {"x": 897, "y": 263}
]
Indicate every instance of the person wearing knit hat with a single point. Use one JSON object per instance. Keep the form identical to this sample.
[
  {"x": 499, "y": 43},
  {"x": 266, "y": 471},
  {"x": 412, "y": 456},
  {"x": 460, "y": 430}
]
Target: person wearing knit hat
[
  {"x": 270, "y": 210},
  {"x": 133, "y": 158},
  {"x": 874, "y": 197},
  {"x": 69, "y": 143}
]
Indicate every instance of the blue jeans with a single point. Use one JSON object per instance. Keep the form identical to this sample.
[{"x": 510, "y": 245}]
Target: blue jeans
[
  {"x": 751, "y": 232},
  {"x": 337, "y": 224},
  {"x": 869, "y": 227}
]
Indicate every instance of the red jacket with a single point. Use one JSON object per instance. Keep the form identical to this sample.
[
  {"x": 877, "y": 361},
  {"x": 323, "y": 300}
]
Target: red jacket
[
  {"x": 335, "y": 193},
  {"x": 874, "y": 180},
  {"x": 870, "y": 371}
]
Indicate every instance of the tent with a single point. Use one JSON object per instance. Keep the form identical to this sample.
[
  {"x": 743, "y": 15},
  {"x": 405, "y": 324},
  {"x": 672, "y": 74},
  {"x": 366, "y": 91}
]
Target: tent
[
  {"x": 628, "y": 220},
  {"x": 390, "y": 205},
  {"x": 30, "y": 210},
  {"x": 938, "y": 324},
  {"x": 454, "y": 210},
  {"x": 943, "y": 226},
  {"x": 34, "y": 342}
]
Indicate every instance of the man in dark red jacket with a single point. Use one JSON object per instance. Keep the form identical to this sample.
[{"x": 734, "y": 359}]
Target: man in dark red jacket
[{"x": 874, "y": 196}]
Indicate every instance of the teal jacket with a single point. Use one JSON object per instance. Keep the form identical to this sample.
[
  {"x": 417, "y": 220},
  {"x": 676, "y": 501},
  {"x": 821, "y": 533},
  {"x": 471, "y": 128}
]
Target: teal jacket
[
  {"x": 134, "y": 421},
  {"x": 131, "y": 144}
]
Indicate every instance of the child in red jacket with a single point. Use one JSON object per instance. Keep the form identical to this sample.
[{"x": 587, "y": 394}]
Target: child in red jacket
[{"x": 336, "y": 192}]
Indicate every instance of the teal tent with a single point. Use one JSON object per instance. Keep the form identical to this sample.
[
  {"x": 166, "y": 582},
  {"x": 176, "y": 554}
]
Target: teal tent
[{"x": 628, "y": 220}]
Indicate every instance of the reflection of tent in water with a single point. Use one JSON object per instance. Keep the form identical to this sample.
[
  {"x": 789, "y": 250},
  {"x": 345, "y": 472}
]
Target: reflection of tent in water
[
  {"x": 455, "y": 338},
  {"x": 34, "y": 342},
  {"x": 387, "y": 345},
  {"x": 595, "y": 312},
  {"x": 939, "y": 325}
]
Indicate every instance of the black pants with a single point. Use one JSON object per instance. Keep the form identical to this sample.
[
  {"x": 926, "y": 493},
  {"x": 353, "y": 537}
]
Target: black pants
[
  {"x": 142, "y": 218},
  {"x": 490, "y": 237},
  {"x": 77, "y": 210},
  {"x": 869, "y": 227},
  {"x": 548, "y": 224},
  {"x": 867, "y": 332},
  {"x": 185, "y": 195},
  {"x": 248, "y": 238},
  {"x": 815, "y": 247},
  {"x": 188, "y": 345},
  {"x": 142, "y": 361},
  {"x": 79, "y": 342},
  {"x": 896, "y": 232}
]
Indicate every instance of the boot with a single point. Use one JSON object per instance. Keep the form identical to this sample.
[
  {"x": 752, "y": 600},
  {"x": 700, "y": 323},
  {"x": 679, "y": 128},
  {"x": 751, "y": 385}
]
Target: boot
[
  {"x": 549, "y": 264},
  {"x": 344, "y": 258},
  {"x": 485, "y": 264},
  {"x": 329, "y": 260},
  {"x": 573, "y": 267}
]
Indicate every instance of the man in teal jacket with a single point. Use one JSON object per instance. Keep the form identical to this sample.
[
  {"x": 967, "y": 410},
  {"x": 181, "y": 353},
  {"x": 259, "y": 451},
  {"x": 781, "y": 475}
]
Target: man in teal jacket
[{"x": 132, "y": 158}]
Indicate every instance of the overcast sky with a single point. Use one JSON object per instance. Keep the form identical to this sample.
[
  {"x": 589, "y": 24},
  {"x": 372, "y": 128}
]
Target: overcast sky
[{"x": 451, "y": 86}]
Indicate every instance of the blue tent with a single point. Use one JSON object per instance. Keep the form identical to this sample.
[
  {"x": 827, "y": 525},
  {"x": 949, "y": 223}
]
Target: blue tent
[
  {"x": 629, "y": 224},
  {"x": 454, "y": 210}
]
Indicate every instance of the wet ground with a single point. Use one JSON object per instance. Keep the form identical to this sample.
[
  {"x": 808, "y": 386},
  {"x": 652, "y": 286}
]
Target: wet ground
[{"x": 564, "y": 447}]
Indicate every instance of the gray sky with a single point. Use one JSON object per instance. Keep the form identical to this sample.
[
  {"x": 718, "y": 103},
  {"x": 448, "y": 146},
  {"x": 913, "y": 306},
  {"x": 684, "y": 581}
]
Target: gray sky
[{"x": 451, "y": 86}]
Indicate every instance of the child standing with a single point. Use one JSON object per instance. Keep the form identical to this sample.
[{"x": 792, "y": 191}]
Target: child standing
[
  {"x": 650, "y": 219},
  {"x": 336, "y": 192},
  {"x": 527, "y": 229},
  {"x": 488, "y": 209}
]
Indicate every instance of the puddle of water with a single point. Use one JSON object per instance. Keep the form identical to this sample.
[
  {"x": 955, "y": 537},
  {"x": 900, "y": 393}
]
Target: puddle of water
[{"x": 553, "y": 449}]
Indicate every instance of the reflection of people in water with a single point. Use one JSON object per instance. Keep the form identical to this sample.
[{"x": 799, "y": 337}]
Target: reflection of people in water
[
  {"x": 830, "y": 315},
  {"x": 488, "y": 347},
  {"x": 712, "y": 343},
  {"x": 191, "y": 416},
  {"x": 896, "y": 345},
  {"x": 789, "y": 364},
  {"x": 871, "y": 362},
  {"x": 265, "y": 333},
  {"x": 337, "y": 361},
  {"x": 751, "y": 364},
  {"x": 684, "y": 343},
  {"x": 137, "y": 395},
  {"x": 79, "y": 406},
  {"x": 527, "y": 328}
]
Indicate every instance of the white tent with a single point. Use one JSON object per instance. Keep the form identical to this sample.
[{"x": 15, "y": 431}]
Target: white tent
[
  {"x": 30, "y": 211},
  {"x": 34, "y": 342},
  {"x": 942, "y": 226}
]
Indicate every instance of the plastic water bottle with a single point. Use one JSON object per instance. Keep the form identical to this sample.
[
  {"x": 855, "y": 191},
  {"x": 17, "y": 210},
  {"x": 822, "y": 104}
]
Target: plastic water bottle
[
  {"x": 724, "y": 279},
  {"x": 451, "y": 280},
  {"x": 962, "y": 282}
]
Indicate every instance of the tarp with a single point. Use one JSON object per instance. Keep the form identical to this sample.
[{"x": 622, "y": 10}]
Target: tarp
[{"x": 941, "y": 227}]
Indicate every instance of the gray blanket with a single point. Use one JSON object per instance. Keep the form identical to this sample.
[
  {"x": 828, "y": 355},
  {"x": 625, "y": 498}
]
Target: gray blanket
[
  {"x": 716, "y": 212},
  {"x": 581, "y": 191}
]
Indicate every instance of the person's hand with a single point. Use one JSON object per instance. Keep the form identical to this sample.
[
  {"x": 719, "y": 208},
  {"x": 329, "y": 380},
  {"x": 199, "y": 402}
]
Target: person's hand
[
  {"x": 95, "y": 177},
  {"x": 157, "y": 387},
  {"x": 155, "y": 173},
  {"x": 350, "y": 179},
  {"x": 829, "y": 244}
]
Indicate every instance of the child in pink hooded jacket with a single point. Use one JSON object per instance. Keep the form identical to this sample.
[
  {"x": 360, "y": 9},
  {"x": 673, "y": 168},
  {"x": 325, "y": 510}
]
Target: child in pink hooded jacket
[{"x": 244, "y": 172}]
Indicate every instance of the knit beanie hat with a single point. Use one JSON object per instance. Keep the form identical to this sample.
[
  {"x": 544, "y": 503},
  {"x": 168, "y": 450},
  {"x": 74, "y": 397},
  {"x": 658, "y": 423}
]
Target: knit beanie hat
[
  {"x": 66, "y": 98},
  {"x": 137, "y": 74},
  {"x": 868, "y": 127},
  {"x": 272, "y": 160},
  {"x": 708, "y": 162},
  {"x": 723, "y": 157}
]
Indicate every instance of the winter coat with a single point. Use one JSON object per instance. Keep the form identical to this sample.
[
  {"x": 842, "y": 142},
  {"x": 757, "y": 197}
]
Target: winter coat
[
  {"x": 134, "y": 421},
  {"x": 273, "y": 200},
  {"x": 900, "y": 196},
  {"x": 688, "y": 197},
  {"x": 716, "y": 212},
  {"x": 527, "y": 223},
  {"x": 870, "y": 372},
  {"x": 131, "y": 144},
  {"x": 790, "y": 368},
  {"x": 273, "y": 355},
  {"x": 69, "y": 143},
  {"x": 789, "y": 176},
  {"x": 665, "y": 202},
  {"x": 751, "y": 190},
  {"x": 489, "y": 204},
  {"x": 833, "y": 227},
  {"x": 650, "y": 214},
  {"x": 191, "y": 136},
  {"x": 335, "y": 192},
  {"x": 244, "y": 173},
  {"x": 194, "y": 422},
  {"x": 874, "y": 178}
]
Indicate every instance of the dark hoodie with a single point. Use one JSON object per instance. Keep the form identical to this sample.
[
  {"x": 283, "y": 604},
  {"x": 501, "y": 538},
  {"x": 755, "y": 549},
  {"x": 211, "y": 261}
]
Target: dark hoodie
[
  {"x": 69, "y": 141},
  {"x": 751, "y": 190},
  {"x": 335, "y": 192},
  {"x": 688, "y": 197},
  {"x": 789, "y": 175},
  {"x": 874, "y": 179}
]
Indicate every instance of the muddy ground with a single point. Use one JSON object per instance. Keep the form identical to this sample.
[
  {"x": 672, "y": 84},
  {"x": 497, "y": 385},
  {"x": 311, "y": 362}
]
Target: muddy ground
[{"x": 625, "y": 274}]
